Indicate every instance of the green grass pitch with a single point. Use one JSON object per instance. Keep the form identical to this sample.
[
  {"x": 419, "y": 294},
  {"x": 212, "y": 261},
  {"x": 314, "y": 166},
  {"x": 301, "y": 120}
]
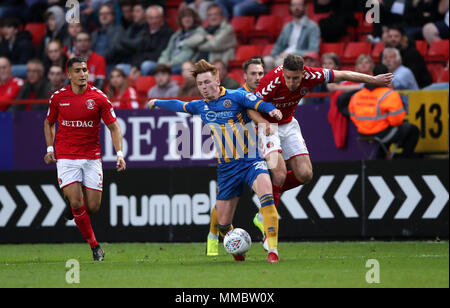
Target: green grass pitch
[{"x": 303, "y": 264}]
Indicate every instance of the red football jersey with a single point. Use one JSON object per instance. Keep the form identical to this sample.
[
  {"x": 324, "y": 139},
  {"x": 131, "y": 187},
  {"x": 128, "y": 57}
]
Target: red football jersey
[
  {"x": 272, "y": 88},
  {"x": 78, "y": 117},
  {"x": 128, "y": 99}
]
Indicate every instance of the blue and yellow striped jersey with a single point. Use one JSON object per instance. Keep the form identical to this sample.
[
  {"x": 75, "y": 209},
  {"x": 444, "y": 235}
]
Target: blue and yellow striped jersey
[{"x": 231, "y": 129}]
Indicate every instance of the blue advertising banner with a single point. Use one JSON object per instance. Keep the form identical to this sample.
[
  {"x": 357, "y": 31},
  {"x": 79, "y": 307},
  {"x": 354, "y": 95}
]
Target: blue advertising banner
[{"x": 6, "y": 141}]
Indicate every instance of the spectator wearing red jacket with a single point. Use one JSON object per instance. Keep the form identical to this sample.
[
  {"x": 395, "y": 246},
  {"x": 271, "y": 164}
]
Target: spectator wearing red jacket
[
  {"x": 9, "y": 85},
  {"x": 121, "y": 95}
]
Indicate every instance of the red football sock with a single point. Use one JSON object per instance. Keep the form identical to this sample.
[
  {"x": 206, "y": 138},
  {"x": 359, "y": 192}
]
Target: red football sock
[
  {"x": 84, "y": 225},
  {"x": 276, "y": 194},
  {"x": 291, "y": 182}
]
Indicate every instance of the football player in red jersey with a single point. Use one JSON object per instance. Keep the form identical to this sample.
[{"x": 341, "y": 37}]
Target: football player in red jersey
[
  {"x": 78, "y": 108},
  {"x": 284, "y": 87}
]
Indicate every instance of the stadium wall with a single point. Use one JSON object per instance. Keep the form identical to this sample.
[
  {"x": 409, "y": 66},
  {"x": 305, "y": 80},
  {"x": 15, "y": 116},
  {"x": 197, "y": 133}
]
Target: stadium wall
[{"x": 350, "y": 200}]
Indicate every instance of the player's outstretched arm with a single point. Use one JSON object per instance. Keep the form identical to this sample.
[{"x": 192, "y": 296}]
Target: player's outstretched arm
[
  {"x": 259, "y": 120},
  {"x": 170, "y": 104},
  {"x": 116, "y": 136},
  {"x": 379, "y": 80},
  {"x": 49, "y": 132}
]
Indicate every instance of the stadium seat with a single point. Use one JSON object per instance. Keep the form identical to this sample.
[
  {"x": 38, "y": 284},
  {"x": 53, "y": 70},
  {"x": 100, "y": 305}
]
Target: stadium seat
[
  {"x": 244, "y": 53},
  {"x": 281, "y": 10},
  {"x": 242, "y": 25},
  {"x": 438, "y": 51},
  {"x": 267, "y": 29},
  {"x": 354, "y": 49},
  {"x": 178, "y": 78},
  {"x": 173, "y": 4},
  {"x": 422, "y": 47},
  {"x": 363, "y": 26},
  {"x": 267, "y": 49},
  {"x": 436, "y": 70},
  {"x": 337, "y": 48},
  {"x": 237, "y": 76},
  {"x": 143, "y": 84},
  {"x": 317, "y": 17},
  {"x": 376, "y": 51},
  {"x": 37, "y": 30},
  {"x": 171, "y": 18},
  {"x": 443, "y": 76}
]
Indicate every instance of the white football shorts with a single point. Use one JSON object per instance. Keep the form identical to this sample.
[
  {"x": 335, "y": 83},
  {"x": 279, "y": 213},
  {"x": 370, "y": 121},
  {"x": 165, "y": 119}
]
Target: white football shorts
[
  {"x": 287, "y": 139},
  {"x": 88, "y": 172}
]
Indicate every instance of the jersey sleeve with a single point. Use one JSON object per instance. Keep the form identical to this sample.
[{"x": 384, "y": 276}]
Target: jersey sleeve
[
  {"x": 52, "y": 113},
  {"x": 317, "y": 75},
  {"x": 178, "y": 106},
  {"x": 251, "y": 101},
  {"x": 106, "y": 109}
]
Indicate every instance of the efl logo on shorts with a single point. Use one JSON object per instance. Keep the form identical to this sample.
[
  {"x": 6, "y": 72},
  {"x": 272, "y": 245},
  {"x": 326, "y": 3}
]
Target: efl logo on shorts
[
  {"x": 270, "y": 144},
  {"x": 90, "y": 104},
  {"x": 59, "y": 182}
]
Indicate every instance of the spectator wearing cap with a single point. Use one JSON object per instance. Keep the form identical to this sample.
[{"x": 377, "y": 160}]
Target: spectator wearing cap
[
  {"x": 165, "y": 86},
  {"x": 298, "y": 36}
]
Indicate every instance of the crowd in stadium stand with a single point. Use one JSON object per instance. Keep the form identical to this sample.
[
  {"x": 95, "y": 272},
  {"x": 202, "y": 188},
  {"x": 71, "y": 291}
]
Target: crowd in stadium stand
[{"x": 145, "y": 48}]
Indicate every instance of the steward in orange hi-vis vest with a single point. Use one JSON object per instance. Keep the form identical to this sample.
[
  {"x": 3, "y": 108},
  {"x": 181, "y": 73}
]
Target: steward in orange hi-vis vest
[{"x": 375, "y": 110}]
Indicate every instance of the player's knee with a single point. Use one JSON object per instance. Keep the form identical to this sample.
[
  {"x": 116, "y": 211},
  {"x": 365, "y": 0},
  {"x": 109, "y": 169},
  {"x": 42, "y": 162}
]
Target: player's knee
[
  {"x": 307, "y": 176},
  {"x": 278, "y": 177},
  {"x": 75, "y": 203}
]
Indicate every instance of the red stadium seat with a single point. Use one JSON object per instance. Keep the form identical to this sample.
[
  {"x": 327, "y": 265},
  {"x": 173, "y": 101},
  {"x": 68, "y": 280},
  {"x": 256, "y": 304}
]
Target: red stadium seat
[
  {"x": 244, "y": 53},
  {"x": 354, "y": 49},
  {"x": 143, "y": 84},
  {"x": 337, "y": 48},
  {"x": 242, "y": 25},
  {"x": 422, "y": 47},
  {"x": 178, "y": 78},
  {"x": 436, "y": 70},
  {"x": 267, "y": 49},
  {"x": 317, "y": 17},
  {"x": 363, "y": 26},
  {"x": 443, "y": 76},
  {"x": 171, "y": 18},
  {"x": 377, "y": 50},
  {"x": 280, "y": 10},
  {"x": 267, "y": 28},
  {"x": 37, "y": 30},
  {"x": 173, "y": 3},
  {"x": 438, "y": 51}
]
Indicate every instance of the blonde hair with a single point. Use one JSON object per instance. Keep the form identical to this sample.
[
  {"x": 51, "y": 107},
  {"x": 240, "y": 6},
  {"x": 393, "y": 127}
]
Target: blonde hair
[{"x": 203, "y": 66}]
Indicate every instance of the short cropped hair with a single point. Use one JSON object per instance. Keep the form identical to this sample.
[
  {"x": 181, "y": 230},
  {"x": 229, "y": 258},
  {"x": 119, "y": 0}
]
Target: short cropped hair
[
  {"x": 254, "y": 61},
  {"x": 203, "y": 66},
  {"x": 294, "y": 63},
  {"x": 71, "y": 62},
  {"x": 163, "y": 68}
]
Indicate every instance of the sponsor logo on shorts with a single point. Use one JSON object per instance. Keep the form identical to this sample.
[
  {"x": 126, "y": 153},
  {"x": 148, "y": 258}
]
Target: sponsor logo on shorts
[
  {"x": 270, "y": 144},
  {"x": 59, "y": 181}
]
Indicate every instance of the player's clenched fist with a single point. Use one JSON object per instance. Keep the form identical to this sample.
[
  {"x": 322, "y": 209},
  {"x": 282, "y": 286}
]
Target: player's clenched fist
[
  {"x": 121, "y": 165},
  {"x": 50, "y": 158},
  {"x": 276, "y": 114},
  {"x": 151, "y": 104}
]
